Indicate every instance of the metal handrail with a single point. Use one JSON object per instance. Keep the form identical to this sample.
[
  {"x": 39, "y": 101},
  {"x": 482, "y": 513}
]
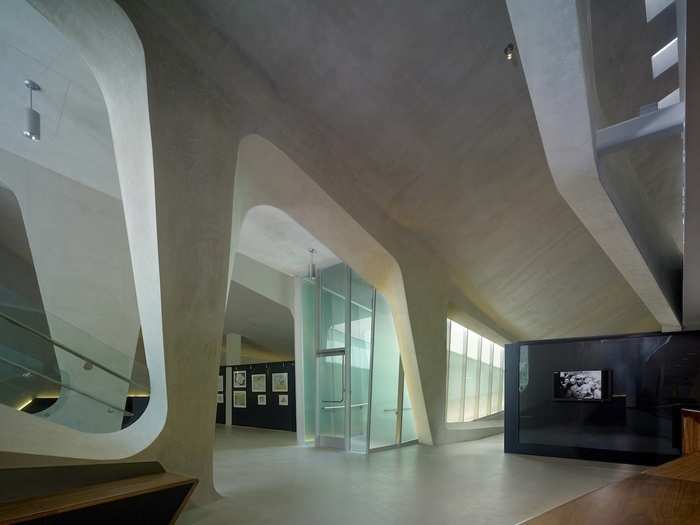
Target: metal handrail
[
  {"x": 69, "y": 350},
  {"x": 69, "y": 387},
  {"x": 336, "y": 407}
]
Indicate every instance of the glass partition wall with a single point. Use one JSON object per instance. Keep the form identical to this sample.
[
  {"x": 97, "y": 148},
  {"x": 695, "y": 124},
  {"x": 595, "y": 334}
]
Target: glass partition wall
[{"x": 355, "y": 397}]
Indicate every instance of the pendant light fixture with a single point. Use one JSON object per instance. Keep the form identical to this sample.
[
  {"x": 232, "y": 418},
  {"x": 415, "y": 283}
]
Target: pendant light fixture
[
  {"x": 32, "y": 129},
  {"x": 312, "y": 265}
]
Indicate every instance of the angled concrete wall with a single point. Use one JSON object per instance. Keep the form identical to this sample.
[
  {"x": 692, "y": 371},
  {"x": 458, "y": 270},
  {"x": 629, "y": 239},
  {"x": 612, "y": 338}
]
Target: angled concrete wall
[
  {"x": 252, "y": 106},
  {"x": 263, "y": 280},
  {"x": 415, "y": 287}
]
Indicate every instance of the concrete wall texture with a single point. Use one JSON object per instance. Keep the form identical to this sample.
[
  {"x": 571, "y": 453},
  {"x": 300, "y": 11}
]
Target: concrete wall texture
[{"x": 200, "y": 138}]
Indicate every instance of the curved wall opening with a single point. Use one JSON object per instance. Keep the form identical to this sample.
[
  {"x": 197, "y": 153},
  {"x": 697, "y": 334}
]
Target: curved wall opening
[
  {"x": 20, "y": 298},
  {"x": 266, "y": 177},
  {"x": 104, "y": 38},
  {"x": 67, "y": 186}
]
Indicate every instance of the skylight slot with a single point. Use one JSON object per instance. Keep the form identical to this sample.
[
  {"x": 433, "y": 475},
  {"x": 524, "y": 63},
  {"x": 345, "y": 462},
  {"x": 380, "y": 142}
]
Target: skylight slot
[
  {"x": 664, "y": 58},
  {"x": 654, "y": 7},
  {"x": 674, "y": 97}
]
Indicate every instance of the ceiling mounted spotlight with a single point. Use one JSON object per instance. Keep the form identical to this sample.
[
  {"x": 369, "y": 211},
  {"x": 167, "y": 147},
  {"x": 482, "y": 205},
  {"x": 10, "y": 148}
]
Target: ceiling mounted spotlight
[
  {"x": 32, "y": 129},
  {"x": 509, "y": 51}
]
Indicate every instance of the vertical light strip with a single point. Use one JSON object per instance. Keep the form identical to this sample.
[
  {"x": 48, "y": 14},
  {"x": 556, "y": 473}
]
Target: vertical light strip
[
  {"x": 477, "y": 391},
  {"x": 502, "y": 386},
  {"x": 462, "y": 390},
  {"x": 489, "y": 410},
  {"x": 448, "y": 338}
]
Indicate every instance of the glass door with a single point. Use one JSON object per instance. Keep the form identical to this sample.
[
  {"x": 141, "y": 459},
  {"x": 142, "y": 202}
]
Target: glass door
[
  {"x": 332, "y": 397},
  {"x": 361, "y": 400},
  {"x": 385, "y": 378},
  {"x": 391, "y": 418},
  {"x": 361, "y": 329},
  {"x": 332, "y": 392}
]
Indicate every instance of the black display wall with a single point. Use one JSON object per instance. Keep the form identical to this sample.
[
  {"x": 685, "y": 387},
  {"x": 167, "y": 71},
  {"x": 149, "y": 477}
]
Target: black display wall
[
  {"x": 652, "y": 376},
  {"x": 272, "y": 414},
  {"x": 222, "y": 387}
]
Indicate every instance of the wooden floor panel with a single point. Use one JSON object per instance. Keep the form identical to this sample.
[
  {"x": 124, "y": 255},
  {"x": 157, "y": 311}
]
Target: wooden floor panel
[
  {"x": 665, "y": 495},
  {"x": 686, "y": 468}
]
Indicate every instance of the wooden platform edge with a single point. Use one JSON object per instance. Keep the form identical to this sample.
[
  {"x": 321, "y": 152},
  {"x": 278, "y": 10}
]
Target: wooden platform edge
[{"x": 98, "y": 494}]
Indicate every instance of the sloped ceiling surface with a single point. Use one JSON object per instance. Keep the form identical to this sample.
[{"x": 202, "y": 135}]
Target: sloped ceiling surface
[
  {"x": 76, "y": 140},
  {"x": 273, "y": 238},
  {"x": 422, "y": 90}
]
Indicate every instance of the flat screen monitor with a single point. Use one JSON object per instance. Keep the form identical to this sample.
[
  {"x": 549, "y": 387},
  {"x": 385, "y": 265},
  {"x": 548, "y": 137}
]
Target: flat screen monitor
[{"x": 582, "y": 385}]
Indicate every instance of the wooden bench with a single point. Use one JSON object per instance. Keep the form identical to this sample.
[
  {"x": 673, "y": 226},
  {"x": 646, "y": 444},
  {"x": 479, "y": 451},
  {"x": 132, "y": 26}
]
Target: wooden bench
[
  {"x": 151, "y": 498},
  {"x": 665, "y": 495}
]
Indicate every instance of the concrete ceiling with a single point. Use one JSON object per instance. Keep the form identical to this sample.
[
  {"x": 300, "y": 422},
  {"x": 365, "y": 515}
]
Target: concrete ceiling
[
  {"x": 76, "y": 141},
  {"x": 267, "y": 323},
  {"x": 422, "y": 92},
  {"x": 623, "y": 43},
  {"x": 273, "y": 238}
]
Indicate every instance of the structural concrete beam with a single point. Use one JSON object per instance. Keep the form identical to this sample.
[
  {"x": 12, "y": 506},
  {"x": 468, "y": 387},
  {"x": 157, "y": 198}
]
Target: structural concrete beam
[
  {"x": 553, "y": 43},
  {"x": 664, "y": 121}
]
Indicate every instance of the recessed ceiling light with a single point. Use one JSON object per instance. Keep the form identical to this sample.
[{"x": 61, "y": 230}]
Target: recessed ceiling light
[{"x": 509, "y": 51}]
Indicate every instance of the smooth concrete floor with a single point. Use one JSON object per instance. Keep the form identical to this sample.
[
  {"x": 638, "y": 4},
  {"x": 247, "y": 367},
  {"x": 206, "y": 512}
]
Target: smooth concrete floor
[{"x": 265, "y": 478}]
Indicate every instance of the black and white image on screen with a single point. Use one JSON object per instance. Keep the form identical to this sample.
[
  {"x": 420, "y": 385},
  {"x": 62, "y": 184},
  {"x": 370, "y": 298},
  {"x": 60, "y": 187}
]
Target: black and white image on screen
[{"x": 580, "y": 385}]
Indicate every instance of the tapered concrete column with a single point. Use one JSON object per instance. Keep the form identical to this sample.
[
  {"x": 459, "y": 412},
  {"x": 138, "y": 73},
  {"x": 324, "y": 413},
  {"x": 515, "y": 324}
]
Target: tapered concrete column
[
  {"x": 194, "y": 156},
  {"x": 176, "y": 164},
  {"x": 232, "y": 350}
]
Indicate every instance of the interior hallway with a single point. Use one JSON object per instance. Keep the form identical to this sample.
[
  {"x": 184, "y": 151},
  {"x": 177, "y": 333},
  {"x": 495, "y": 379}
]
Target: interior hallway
[{"x": 274, "y": 481}]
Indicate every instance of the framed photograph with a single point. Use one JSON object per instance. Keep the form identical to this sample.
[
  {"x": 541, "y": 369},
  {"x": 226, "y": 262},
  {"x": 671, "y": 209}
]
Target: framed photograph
[
  {"x": 582, "y": 385},
  {"x": 283, "y": 400},
  {"x": 280, "y": 382},
  {"x": 239, "y": 399},
  {"x": 219, "y": 398},
  {"x": 239, "y": 379},
  {"x": 258, "y": 382},
  {"x": 220, "y": 384},
  {"x": 262, "y": 399}
]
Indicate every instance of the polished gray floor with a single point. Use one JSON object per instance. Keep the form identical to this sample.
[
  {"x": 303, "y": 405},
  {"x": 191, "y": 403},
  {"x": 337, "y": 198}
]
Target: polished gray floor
[{"x": 266, "y": 479}]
